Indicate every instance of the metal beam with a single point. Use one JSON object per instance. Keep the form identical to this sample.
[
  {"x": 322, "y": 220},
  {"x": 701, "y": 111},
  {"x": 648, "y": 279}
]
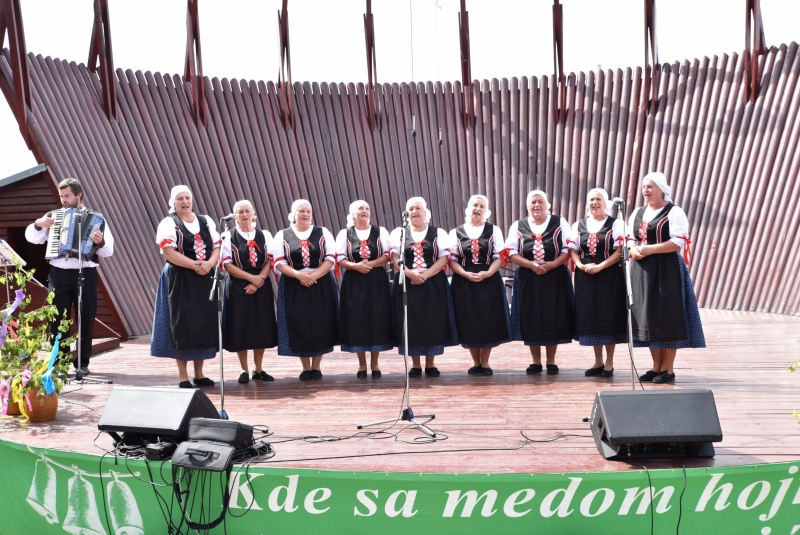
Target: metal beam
[
  {"x": 11, "y": 21},
  {"x": 652, "y": 67},
  {"x": 285, "y": 93},
  {"x": 100, "y": 50},
  {"x": 467, "y": 93},
  {"x": 755, "y": 45},
  {"x": 373, "y": 101},
  {"x": 193, "y": 66},
  {"x": 560, "y": 105}
]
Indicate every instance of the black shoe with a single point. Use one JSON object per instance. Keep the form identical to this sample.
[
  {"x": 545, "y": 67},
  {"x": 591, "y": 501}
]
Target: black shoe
[
  {"x": 316, "y": 374},
  {"x": 487, "y": 371},
  {"x": 263, "y": 376},
  {"x": 552, "y": 369},
  {"x": 376, "y": 374},
  {"x": 475, "y": 370},
  {"x": 306, "y": 375},
  {"x": 607, "y": 373},
  {"x": 649, "y": 376},
  {"x": 594, "y": 371},
  {"x": 415, "y": 372},
  {"x": 185, "y": 384},
  {"x": 534, "y": 368},
  {"x": 432, "y": 371},
  {"x": 665, "y": 377},
  {"x": 243, "y": 378},
  {"x": 203, "y": 381},
  {"x": 362, "y": 374}
]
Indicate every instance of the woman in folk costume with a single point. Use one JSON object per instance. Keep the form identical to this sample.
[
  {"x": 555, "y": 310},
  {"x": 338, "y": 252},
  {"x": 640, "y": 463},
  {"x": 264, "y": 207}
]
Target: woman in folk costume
[
  {"x": 308, "y": 299},
  {"x": 185, "y": 322},
  {"x": 479, "y": 295},
  {"x": 365, "y": 311},
  {"x": 664, "y": 314},
  {"x": 601, "y": 319},
  {"x": 542, "y": 312},
  {"x": 249, "y": 300}
]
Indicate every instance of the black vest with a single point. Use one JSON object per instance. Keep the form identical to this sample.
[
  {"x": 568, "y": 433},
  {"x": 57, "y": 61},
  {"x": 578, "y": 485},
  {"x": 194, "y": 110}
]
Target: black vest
[
  {"x": 486, "y": 246},
  {"x": 430, "y": 247},
  {"x": 294, "y": 253},
  {"x": 240, "y": 252},
  {"x": 604, "y": 245},
  {"x": 656, "y": 231},
  {"x": 551, "y": 239},
  {"x": 373, "y": 244},
  {"x": 186, "y": 239}
]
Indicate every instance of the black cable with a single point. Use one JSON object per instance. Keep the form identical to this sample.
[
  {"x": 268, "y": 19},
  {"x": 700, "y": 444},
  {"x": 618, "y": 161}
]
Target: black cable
[
  {"x": 103, "y": 492},
  {"x": 680, "y": 500},
  {"x": 649, "y": 489}
]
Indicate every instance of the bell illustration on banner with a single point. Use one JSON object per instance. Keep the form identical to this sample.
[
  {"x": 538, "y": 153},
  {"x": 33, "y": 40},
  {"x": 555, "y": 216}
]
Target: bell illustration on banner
[
  {"x": 124, "y": 513},
  {"x": 42, "y": 496},
  {"x": 82, "y": 514}
]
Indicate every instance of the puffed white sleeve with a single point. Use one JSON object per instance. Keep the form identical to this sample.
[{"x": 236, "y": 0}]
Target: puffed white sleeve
[
  {"x": 453, "y": 238},
  {"x": 278, "y": 252},
  {"x": 566, "y": 235},
  {"x": 575, "y": 239},
  {"x": 631, "y": 229},
  {"x": 386, "y": 242},
  {"x": 499, "y": 242},
  {"x": 444, "y": 243},
  {"x": 341, "y": 245},
  {"x": 268, "y": 243},
  {"x": 394, "y": 242},
  {"x": 512, "y": 239},
  {"x": 618, "y": 232},
  {"x": 330, "y": 246},
  {"x": 678, "y": 226},
  {"x": 167, "y": 234},
  {"x": 225, "y": 252},
  {"x": 212, "y": 228}
]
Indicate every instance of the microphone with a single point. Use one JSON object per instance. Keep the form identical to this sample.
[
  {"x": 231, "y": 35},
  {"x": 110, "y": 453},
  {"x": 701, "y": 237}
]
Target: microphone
[
  {"x": 617, "y": 200},
  {"x": 227, "y": 217},
  {"x": 405, "y": 214}
]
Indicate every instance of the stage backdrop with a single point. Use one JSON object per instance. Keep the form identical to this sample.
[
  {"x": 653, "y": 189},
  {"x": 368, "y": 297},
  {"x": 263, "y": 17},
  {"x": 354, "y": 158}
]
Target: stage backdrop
[{"x": 51, "y": 491}]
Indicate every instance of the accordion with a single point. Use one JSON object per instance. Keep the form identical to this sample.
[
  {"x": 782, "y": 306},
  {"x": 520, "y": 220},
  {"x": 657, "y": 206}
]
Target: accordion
[{"x": 64, "y": 240}]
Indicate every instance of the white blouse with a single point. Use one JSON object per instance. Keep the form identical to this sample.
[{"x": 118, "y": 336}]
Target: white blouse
[
  {"x": 474, "y": 233},
  {"x": 678, "y": 223},
  {"x": 279, "y": 254},
  {"x": 341, "y": 241},
  {"x": 512, "y": 242},
  {"x": 226, "y": 243},
  {"x": 442, "y": 241},
  {"x": 167, "y": 234},
  {"x": 592, "y": 225}
]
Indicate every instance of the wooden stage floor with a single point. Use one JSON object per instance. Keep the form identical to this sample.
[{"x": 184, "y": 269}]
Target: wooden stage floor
[{"x": 479, "y": 419}]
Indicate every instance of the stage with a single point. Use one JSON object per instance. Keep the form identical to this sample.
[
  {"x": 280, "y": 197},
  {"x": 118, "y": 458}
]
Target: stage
[{"x": 480, "y": 422}]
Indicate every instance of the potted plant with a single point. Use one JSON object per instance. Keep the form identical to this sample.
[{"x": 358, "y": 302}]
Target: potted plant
[{"x": 32, "y": 370}]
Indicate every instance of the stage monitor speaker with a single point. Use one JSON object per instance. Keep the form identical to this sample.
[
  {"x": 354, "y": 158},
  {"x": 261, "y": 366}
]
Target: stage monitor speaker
[
  {"x": 154, "y": 412},
  {"x": 655, "y": 424}
]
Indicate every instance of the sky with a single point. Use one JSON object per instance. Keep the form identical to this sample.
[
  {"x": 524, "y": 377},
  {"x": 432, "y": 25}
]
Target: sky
[{"x": 414, "y": 39}]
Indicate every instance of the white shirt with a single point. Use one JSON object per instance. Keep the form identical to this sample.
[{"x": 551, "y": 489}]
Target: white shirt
[
  {"x": 40, "y": 236},
  {"x": 167, "y": 234},
  {"x": 279, "y": 254},
  {"x": 474, "y": 233},
  {"x": 341, "y": 241},
  {"x": 512, "y": 242},
  {"x": 442, "y": 242},
  {"x": 678, "y": 223},
  {"x": 225, "y": 253},
  {"x": 593, "y": 226}
]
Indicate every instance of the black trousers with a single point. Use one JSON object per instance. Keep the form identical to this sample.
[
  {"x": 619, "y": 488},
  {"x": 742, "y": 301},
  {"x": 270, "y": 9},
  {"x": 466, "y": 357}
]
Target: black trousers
[{"x": 64, "y": 282}]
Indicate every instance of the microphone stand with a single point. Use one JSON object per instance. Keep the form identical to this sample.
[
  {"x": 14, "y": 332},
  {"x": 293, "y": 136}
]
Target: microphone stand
[
  {"x": 626, "y": 270},
  {"x": 216, "y": 293},
  {"x": 79, "y": 375},
  {"x": 407, "y": 415}
]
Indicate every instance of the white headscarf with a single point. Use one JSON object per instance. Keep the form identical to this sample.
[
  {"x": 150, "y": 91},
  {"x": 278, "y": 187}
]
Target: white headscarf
[
  {"x": 239, "y": 205},
  {"x": 176, "y": 190},
  {"x": 659, "y": 180},
  {"x": 486, "y": 214},
  {"x": 604, "y": 194},
  {"x": 542, "y": 194},
  {"x": 351, "y": 214},
  {"x": 420, "y": 200},
  {"x": 295, "y": 205}
]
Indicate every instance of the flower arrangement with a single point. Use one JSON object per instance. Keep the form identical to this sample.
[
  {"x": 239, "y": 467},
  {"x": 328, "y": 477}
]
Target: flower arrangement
[{"x": 30, "y": 366}]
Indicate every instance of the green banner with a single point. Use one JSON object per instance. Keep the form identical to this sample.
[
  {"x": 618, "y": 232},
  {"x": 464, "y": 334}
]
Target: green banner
[{"x": 51, "y": 491}]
